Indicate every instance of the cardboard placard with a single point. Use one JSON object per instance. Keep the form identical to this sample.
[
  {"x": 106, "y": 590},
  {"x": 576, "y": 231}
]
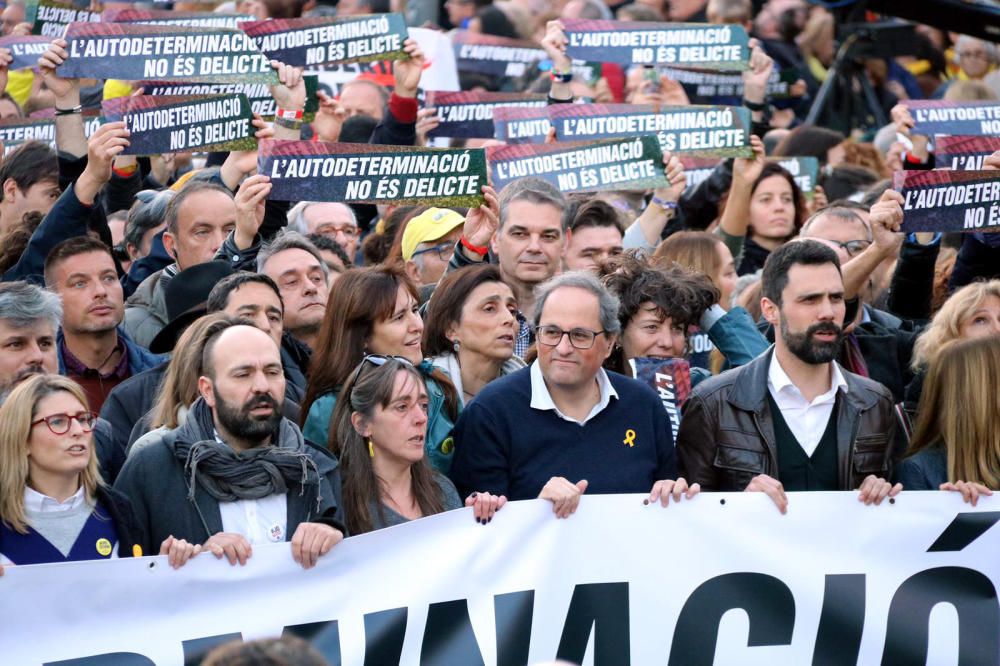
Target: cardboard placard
[
  {"x": 949, "y": 201},
  {"x": 308, "y": 42},
  {"x": 616, "y": 164},
  {"x": 521, "y": 125},
  {"x": 259, "y": 94},
  {"x": 168, "y": 17},
  {"x": 362, "y": 173},
  {"x": 51, "y": 17},
  {"x": 698, "y": 45},
  {"x": 717, "y": 88},
  {"x": 498, "y": 56},
  {"x": 134, "y": 52},
  {"x": 805, "y": 171},
  {"x": 936, "y": 116},
  {"x": 470, "y": 114},
  {"x": 719, "y": 131},
  {"x": 171, "y": 124},
  {"x": 26, "y": 50},
  {"x": 963, "y": 153},
  {"x": 697, "y": 169},
  {"x": 670, "y": 378}
]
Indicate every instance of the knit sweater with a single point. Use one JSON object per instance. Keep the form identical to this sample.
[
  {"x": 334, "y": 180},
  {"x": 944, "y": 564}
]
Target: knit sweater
[{"x": 505, "y": 447}]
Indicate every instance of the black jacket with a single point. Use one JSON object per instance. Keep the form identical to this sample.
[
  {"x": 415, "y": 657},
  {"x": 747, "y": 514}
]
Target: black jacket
[
  {"x": 129, "y": 530},
  {"x": 128, "y": 401},
  {"x": 155, "y": 482},
  {"x": 727, "y": 433}
]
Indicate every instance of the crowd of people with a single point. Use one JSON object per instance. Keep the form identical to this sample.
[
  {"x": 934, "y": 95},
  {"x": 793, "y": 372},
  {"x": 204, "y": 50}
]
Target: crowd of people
[{"x": 189, "y": 365}]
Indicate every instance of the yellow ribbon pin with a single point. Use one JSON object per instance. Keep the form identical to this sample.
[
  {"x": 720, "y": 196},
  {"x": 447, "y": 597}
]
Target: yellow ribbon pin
[{"x": 629, "y": 440}]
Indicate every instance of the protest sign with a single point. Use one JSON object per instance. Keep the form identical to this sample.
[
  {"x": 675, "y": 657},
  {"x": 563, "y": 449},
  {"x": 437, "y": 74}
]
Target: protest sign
[
  {"x": 170, "y": 124},
  {"x": 715, "y": 88},
  {"x": 259, "y": 94},
  {"x": 712, "y": 47},
  {"x": 719, "y": 131},
  {"x": 498, "y": 56},
  {"x": 27, "y": 129},
  {"x": 50, "y": 17},
  {"x": 470, "y": 114},
  {"x": 963, "y": 153},
  {"x": 934, "y": 116},
  {"x": 670, "y": 378},
  {"x": 617, "y": 164},
  {"x": 306, "y": 42},
  {"x": 168, "y": 17},
  {"x": 805, "y": 171},
  {"x": 135, "y": 52},
  {"x": 361, "y": 173},
  {"x": 697, "y": 169},
  {"x": 949, "y": 200},
  {"x": 26, "y": 49},
  {"x": 521, "y": 125},
  {"x": 619, "y": 582}
]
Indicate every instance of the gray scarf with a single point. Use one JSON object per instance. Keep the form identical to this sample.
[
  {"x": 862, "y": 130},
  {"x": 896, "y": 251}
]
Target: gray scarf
[{"x": 229, "y": 475}]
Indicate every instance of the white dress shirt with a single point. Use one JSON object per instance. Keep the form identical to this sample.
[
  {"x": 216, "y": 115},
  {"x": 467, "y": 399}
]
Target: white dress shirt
[
  {"x": 807, "y": 420},
  {"x": 542, "y": 399}
]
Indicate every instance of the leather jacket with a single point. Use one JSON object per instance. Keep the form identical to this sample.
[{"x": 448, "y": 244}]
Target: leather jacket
[{"x": 727, "y": 437}]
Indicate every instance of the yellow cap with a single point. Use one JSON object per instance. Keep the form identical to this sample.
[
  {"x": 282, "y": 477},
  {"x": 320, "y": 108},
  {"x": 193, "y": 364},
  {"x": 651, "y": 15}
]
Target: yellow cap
[{"x": 430, "y": 225}]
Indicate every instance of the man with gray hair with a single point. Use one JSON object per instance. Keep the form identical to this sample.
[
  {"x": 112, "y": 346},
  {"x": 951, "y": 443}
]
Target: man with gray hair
[
  {"x": 525, "y": 231},
  {"x": 297, "y": 267},
  {"x": 565, "y": 425},
  {"x": 336, "y": 221},
  {"x": 29, "y": 319}
]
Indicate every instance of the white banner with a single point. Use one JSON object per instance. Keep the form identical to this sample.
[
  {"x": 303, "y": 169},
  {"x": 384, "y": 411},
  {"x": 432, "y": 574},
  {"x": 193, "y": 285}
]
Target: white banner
[{"x": 722, "y": 579}]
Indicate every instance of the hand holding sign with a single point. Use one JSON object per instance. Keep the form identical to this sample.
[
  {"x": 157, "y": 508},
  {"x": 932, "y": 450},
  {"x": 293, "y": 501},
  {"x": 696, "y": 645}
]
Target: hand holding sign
[
  {"x": 427, "y": 121},
  {"x": 5, "y": 60},
  {"x": 992, "y": 162},
  {"x": 290, "y": 90},
  {"x": 746, "y": 170},
  {"x": 407, "y": 71},
  {"x": 481, "y": 223},
  {"x": 554, "y": 44},
  {"x": 250, "y": 201},
  {"x": 329, "y": 119},
  {"x": 66, "y": 90},
  {"x": 917, "y": 143},
  {"x": 886, "y": 217},
  {"x": 755, "y": 79},
  {"x": 674, "y": 171},
  {"x": 109, "y": 140},
  {"x": 239, "y": 163}
]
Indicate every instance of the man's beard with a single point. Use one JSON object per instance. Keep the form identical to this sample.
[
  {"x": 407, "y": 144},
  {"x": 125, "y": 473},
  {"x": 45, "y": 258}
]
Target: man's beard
[
  {"x": 809, "y": 350},
  {"x": 240, "y": 423}
]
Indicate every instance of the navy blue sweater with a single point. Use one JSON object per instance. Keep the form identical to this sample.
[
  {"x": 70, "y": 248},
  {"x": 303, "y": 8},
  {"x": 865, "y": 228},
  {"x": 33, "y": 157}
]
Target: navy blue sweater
[{"x": 505, "y": 447}]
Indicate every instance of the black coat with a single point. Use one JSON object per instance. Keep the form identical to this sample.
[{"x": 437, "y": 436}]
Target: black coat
[{"x": 128, "y": 401}]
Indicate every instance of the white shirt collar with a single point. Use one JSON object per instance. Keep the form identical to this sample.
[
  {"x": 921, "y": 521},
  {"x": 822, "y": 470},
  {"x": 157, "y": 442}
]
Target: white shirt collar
[
  {"x": 39, "y": 503},
  {"x": 542, "y": 399},
  {"x": 779, "y": 380}
]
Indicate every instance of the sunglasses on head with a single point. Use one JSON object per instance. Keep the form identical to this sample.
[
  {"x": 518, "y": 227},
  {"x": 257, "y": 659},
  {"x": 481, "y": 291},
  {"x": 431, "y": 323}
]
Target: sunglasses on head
[{"x": 377, "y": 360}]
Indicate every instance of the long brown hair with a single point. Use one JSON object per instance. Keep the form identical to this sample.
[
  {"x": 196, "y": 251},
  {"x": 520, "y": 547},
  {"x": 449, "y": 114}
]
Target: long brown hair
[
  {"x": 959, "y": 409},
  {"x": 694, "y": 250},
  {"x": 361, "y": 486},
  {"x": 358, "y": 299},
  {"x": 18, "y": 411}
]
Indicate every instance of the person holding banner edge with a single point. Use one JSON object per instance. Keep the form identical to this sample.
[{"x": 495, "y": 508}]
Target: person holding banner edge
[
  {"x": 54, "y": 506},
  {"x": 379, "y": 428}
]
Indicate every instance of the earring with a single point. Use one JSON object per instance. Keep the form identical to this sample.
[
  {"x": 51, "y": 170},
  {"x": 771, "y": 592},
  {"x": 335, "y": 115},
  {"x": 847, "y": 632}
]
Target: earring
[
  {"x": 455, "y": 345},
  {"x": 371, "y": 449}
]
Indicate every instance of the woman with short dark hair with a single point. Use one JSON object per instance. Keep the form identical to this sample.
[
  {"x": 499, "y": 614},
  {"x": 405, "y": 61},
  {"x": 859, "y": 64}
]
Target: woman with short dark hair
[{"x": 470, "y": 329}]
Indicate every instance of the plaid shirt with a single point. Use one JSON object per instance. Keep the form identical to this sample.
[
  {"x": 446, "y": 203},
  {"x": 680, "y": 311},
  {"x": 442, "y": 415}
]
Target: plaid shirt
[{"x": 525, "y": 336}]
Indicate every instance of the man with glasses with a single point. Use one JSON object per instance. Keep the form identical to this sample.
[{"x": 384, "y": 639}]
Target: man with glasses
[
  {"x": 565, "y": 425},
  {"x": 878, "y": 344},
  {"x": 336, "y": 221},
  {"x": 429, "y": 243}
]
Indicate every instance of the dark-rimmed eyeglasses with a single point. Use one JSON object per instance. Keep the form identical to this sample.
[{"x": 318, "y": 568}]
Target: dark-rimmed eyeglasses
[
  {"x": 349, "y": 230},
  {"x": 60, "y": 424},
  {"x": 444, "y": 251},
  {"x": 580, "y": 338},
  {"x": 852, "y": 247},
  {"x": 377, "y": 360}
]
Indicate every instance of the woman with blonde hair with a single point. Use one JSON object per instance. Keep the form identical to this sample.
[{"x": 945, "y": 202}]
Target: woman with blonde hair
[
  {"x": 54, "y": 506},
  {"x": 956, "y": 444},
  {"x": 971, "y": 312}
]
